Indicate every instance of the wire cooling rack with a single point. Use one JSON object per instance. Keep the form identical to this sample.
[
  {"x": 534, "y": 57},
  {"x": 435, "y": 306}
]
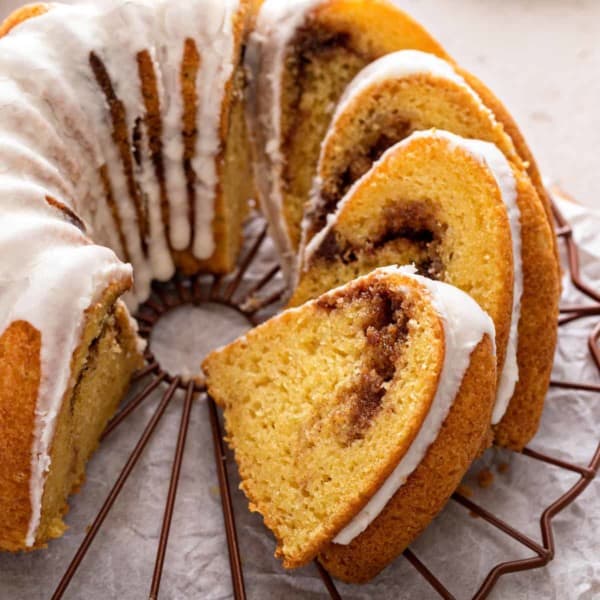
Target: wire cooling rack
[{"x": 253, "y": 303}]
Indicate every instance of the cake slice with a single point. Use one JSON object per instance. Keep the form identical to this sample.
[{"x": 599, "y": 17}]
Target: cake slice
[
  {"x": 301, "y": 57},
  {"x": 354, "y": 417},
  {"x": 462, "y": 213}
]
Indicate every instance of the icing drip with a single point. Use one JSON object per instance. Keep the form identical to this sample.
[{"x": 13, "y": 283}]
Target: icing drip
[
  {"x": 493, "y": 159},
  {"x": 150, "y": 166},
  {"x": 210, "y": 25},
  {"x": 490, "y": 156},
  {"x": 137, "y": 205},
  {"x": 276, "y": 26},
  {"x": 465, "y": 325},
  {"x": 216, "y": 74},
  {"x": 92, "y": 145}
]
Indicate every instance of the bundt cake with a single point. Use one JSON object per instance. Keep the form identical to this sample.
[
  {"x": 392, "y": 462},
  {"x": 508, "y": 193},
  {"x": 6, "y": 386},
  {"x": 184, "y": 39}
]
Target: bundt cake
[
  {"x": 121, "y": 127},
  {"x": 132, "y": 135},
  {"x": 354, "y": 417},
  {"x": 301, "y": 57},
  {"x": 460, "y": 212}
]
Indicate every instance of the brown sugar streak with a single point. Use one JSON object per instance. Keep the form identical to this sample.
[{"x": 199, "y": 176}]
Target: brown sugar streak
[
  {"x": 190, "y": 68},
  {"x": 121, "y": 139},
  {"x": 386, "y": 331}
]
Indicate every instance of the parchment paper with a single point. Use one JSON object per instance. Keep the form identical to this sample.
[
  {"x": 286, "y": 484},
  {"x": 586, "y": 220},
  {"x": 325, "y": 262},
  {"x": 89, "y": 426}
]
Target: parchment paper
[{"x": 460, "y": 549}]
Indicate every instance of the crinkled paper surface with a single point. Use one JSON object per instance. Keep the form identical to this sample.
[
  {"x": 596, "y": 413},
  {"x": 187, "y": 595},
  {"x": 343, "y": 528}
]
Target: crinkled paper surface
[{"x": 459, "y": 548}]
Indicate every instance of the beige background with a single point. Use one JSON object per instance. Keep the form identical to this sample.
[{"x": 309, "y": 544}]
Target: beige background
[{"x": 542, "y": 58}]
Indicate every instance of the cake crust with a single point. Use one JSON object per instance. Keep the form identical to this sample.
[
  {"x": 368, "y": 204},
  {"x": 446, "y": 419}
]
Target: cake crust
[
  {"x": 538, "y": 325},
  {"x": 512, "y": 129},
  {"x": 20, "y": 369},
  {"x": 29, "y": 11}
]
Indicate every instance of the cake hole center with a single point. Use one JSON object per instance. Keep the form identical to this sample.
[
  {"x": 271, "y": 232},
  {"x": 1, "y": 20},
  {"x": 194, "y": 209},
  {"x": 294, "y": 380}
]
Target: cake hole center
[{"x": 185, "y": 335}]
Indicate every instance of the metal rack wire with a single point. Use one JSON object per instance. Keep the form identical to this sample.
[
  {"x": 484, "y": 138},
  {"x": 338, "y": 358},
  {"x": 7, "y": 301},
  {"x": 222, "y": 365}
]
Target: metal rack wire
[{"x": 252, "y": 304}]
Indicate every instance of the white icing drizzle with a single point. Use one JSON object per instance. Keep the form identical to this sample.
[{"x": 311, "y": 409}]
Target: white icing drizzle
[
  {"x": 399, "y": 65},
  {"x": 266, "y": 51},
  {"x": 492, "y": 158},
  {"x": 216, "y": 73},
  {"x": 170, "y": 48},
  {"x": 465, "y": 325},
  {"x": 18, "y": 159},
  {"x": 25, "y": 61},
  {"x": 162, "y": 27},
  {"x": 22, "y": 122},
  {"x": 56, "y": 135},
  {"x": 69, "y": 34}
]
